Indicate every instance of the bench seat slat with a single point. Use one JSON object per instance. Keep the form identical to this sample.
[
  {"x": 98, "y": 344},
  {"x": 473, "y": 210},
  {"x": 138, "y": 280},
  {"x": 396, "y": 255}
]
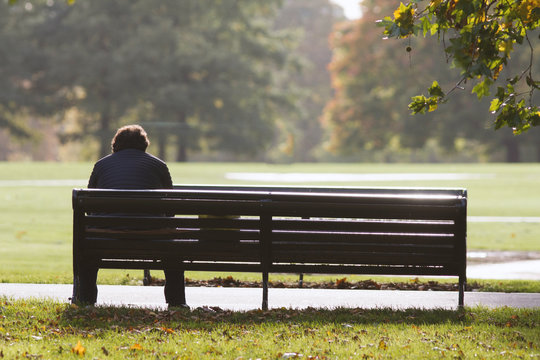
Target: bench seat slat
[
  {"x": 397, "y": 212},
  {"x": 364, "y": 269},
  {"x": 368, "y": 246},
  {"x": 348, "y": 238},
  {"x": 157, "y": 222},
  {"x": 203, "y": 235},
  {"x": 360, "y": 257},
  {"x": 365, "y": 225}
]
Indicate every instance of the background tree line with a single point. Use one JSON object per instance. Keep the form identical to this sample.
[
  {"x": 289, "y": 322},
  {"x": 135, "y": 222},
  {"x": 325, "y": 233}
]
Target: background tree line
[{"x": 231, "y": 80}]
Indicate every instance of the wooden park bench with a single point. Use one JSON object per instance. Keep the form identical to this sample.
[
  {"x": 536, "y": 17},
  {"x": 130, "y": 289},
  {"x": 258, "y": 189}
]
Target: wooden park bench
[{"x": 390, "y": 231}]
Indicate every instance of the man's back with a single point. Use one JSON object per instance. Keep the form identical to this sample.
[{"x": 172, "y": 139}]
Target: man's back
[{"x": 130, "y": 169}]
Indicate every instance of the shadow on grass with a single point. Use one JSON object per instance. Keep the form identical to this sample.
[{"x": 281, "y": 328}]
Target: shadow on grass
[{"x": 204, "y": 318}]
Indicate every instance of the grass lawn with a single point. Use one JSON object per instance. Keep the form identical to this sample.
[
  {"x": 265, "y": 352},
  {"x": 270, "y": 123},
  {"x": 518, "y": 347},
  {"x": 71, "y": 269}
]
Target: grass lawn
[
  {"x": 35, "y": 222},
  {"x": 39, "y": 329}
]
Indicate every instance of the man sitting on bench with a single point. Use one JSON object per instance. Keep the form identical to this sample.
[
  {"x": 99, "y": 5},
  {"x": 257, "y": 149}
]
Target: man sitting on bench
[{"x": 131, "y": 167}]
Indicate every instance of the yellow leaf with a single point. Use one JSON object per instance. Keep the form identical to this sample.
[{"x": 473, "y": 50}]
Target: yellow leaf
[
  {"x": 78, "y": 349},
  {"x": 383, "y": 345},
  {"x": 506, "y": 47},
  {"x": 496, "y": 73},
  {"x": 136, "y": 347},
  {"x": 435, "y": 3},
  {"x": 167, "y": 330}
]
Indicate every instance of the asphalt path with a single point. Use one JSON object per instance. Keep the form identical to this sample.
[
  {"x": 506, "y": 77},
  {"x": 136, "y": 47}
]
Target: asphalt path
[{"x": 243, "y": 299}]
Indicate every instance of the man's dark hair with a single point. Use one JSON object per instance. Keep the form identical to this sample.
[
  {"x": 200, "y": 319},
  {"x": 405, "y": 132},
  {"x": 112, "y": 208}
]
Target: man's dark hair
[{"x": 130, "y": 137}]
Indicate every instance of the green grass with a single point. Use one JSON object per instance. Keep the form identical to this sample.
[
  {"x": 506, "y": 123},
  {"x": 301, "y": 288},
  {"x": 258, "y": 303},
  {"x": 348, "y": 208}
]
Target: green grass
[
  {"x": 39, "y": 329},
  {"x": 35, "y": 226}
]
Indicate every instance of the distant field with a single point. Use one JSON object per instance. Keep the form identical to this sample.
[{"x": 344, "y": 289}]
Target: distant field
[{"x": 35, "y": 206}]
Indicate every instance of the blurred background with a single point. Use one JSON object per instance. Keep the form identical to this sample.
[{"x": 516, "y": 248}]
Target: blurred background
[{"x": 221, "y": 80}]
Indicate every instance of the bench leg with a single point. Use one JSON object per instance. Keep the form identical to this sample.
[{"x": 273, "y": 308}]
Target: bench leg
[
  {"x": 76, "y": 291},
  {"x": 462, "y": 284},
  {"x": 84, "y": 286},
  {"x": 147, "y": 279},
  {"x": 265, "y": 291},
  {"x": 175, "y": 289}
]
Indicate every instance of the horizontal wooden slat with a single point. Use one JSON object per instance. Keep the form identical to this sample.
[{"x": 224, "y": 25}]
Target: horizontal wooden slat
[
  {"x": 364, "y": 269},
  {"x": 216, "y": 235},
  {"x": 358, "y": 257},
  {"x": 363, "y": 225},
  {"x": 345, "y": 247},
  {"x": 204, "y": 266},
  {"x": 323, "y": 189},
  {"x": 308, "y": 238},
  {"x": 364, "y": 211}
]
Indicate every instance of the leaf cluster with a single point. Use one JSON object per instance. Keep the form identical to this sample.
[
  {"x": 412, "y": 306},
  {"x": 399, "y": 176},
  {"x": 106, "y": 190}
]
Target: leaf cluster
[{"x": 479, "y": 37}]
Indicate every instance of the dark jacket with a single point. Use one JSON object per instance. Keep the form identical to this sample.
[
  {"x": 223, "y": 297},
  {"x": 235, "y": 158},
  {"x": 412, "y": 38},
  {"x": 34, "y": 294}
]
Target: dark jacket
[{"x": 130, "y": 169}]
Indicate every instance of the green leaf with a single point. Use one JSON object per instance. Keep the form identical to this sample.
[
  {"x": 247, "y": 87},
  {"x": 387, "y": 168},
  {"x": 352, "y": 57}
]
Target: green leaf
[
  {"x": 482, "y": 88},
  {"x": 435, "y": 90},
  {"x": 426, "y": 26},
  {"x": 495, "y": 105},
  {"x": 418, "y": 104}
]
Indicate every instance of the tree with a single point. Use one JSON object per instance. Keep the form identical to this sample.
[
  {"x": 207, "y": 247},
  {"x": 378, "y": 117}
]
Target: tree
[
  {"x": 482, "y": 35},
  {"x": 214, "y": 75},
  {"x": 18, "y": 64},
  {"x": 312, "y": 21},
  {"x": 374, "y": 81},
  {"x": 371, "y": 83},
  {"x": 202, "y": 67}
]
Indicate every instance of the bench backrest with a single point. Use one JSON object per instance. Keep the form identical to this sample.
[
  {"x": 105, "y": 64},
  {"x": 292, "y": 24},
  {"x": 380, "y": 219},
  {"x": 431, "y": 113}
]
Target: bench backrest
[{"x": 274, "y": 229}]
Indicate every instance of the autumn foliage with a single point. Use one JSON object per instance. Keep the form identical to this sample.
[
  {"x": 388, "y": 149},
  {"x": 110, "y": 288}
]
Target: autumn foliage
[{"x": 479, "y": 37}]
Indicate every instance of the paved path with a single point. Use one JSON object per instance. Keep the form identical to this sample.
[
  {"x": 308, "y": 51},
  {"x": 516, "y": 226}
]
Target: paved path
[
  {"x": 242, "y": 299},
  {"x": 250, "y": 298},
  {"x": 515, "y": 270}
]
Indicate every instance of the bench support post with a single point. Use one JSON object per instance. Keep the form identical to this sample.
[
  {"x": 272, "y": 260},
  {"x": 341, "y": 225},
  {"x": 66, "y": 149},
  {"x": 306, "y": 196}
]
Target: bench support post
[
  {"x": 266, "y": 249},
  {"x": 265, "y": 290},
  {"x": 462, "y": 283}
]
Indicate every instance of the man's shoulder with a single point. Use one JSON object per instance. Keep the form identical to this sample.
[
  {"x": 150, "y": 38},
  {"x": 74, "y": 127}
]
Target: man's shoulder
[
  {"x": 104, "y": 160},
  {"x": 153, "y": 159},
  {"x": 129, "y": 154}
]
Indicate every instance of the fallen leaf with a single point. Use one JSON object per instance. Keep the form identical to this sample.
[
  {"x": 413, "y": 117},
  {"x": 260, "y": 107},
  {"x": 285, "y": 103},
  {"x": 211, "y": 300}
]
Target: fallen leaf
[
  {"x": 167, "y": 330},
  {"x": 78, "y": 349},
  {"x": 136, "y": 347}
]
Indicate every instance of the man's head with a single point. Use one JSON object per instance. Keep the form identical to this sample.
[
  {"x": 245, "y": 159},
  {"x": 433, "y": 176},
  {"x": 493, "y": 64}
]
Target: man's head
[{"x": 130, "y": 137}]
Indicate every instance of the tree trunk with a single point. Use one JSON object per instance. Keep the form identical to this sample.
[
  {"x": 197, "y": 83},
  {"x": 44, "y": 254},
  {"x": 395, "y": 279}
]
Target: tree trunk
[
  {"x": 512, "y": 150},
  {"x": 104, "y": 134},
  {"x": 182, "y": 149},
  {"x": 161, "y": 145}
]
